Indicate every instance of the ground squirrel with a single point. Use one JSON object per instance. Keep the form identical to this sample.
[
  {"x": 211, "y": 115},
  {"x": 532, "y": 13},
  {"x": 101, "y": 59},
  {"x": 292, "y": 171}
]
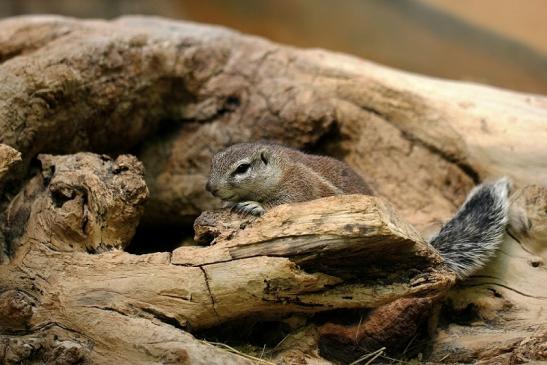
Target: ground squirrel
[
  {"x": 252, "y": 177},
  {"x": 255, "y": 176}
]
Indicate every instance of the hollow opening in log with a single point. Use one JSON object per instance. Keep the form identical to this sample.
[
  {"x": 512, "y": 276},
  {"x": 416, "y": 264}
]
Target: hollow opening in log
[
  {"x": 248, "y": 332},
  {"x": 150, "y": 239},
  {"x": 329, "y": 144},
  {"x": 465, "y": 316}
]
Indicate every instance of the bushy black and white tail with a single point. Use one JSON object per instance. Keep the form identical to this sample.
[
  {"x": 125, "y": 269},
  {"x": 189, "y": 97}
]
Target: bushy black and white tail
[{"x": 471, "y": 238}]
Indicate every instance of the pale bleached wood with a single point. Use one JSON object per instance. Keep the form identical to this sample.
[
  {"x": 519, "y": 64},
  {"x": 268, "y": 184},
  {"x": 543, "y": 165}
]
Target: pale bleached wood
[
  {"x": 507, "y": 300},
  {"x": 345, "y": 252}
]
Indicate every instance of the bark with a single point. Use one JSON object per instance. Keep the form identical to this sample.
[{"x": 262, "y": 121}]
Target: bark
[
  {"x": 8, "y": 158},
  {"x": 174, "y": 93}
]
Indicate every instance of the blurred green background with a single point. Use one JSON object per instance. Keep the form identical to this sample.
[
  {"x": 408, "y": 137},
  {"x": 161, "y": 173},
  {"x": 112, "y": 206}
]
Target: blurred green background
[{"x": 497, "y": 42}]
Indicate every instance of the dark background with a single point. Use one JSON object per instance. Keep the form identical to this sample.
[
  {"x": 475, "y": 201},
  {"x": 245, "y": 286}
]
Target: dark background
[{"x": 497, "y": 42}]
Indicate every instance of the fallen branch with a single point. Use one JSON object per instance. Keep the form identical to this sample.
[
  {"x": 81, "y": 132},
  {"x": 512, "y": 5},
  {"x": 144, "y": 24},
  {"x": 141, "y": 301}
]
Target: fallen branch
[{"x": 286, "y": 262}]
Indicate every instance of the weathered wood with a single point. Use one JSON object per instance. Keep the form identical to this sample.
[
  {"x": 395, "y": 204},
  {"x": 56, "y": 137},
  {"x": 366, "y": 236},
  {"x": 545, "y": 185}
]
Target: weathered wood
[
  {"x": 79, "y": 202},
  {"x": 63, "y": 305},
  {"x": 505, "y": 303},
  {"x": 392, "y": 327},
  {"x": 69, "y": 85},
  {"x": 333, "y": 228},
  {"x": 83, "y": 203},
  {"x": 420, "y": 141},
  {"x": 8, "y": 157}
]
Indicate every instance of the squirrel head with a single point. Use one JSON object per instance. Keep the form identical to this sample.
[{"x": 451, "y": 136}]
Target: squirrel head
[{"x": 244, "y": 171}]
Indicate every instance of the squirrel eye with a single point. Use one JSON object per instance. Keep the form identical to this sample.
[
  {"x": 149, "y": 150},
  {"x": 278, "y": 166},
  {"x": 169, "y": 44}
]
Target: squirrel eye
[{"x": 241, "y": 169}]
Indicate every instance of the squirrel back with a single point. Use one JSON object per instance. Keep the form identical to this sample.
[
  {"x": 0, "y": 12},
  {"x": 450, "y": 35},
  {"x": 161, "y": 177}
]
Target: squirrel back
[{"x": 271, "y": 174}]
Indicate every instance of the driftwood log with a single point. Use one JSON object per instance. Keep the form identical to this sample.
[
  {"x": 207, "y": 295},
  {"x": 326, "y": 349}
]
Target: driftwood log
[
  {"x": 173, "y": 93},
  {"x": 358, "y": 255}
]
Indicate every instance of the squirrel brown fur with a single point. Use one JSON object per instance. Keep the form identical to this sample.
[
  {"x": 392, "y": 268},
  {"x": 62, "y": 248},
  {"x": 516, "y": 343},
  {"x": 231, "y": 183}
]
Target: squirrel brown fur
[{"x": 255, "y": 176}]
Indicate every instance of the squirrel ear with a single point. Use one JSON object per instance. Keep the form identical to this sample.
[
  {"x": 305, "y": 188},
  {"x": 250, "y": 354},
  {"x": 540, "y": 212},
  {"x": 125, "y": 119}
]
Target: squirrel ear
[{"x": 265, "y": 156}]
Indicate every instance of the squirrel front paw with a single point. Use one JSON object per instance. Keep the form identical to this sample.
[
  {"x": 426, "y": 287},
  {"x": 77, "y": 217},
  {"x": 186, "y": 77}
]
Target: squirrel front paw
[{"x": 249, "y": 207}]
